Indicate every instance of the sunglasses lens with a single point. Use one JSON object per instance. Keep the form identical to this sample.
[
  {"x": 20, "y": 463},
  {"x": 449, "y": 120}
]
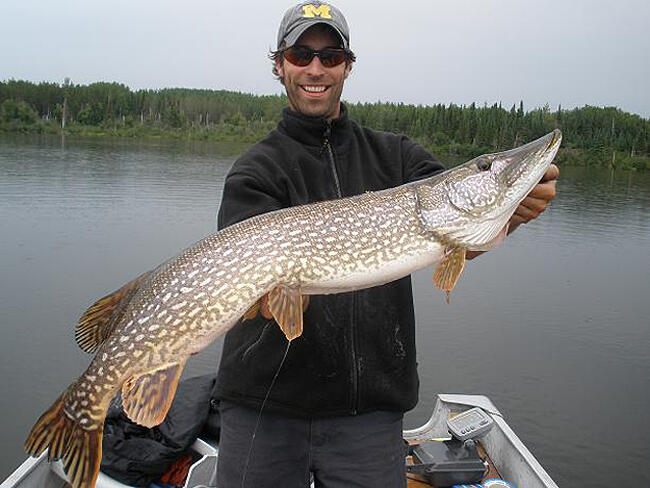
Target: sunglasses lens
[
  {"x": 300, "y": 56},
  {"x": 331, "y": 57}
]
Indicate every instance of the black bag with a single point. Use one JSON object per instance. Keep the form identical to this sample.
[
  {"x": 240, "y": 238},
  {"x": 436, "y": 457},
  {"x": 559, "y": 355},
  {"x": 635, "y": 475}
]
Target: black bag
[{"x": 137, "y": 456}]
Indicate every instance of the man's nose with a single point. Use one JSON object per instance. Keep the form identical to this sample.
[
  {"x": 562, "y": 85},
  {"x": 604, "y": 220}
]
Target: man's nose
[{"x": 315, "y": 67}]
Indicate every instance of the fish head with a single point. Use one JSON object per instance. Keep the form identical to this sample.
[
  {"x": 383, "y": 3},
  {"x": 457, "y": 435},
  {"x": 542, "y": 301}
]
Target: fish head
[{"x": 470, "y": 205}]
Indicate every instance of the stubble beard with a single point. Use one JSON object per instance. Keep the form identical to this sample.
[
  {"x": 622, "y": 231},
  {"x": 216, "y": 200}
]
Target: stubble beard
[{"x": 327, "y": 107}]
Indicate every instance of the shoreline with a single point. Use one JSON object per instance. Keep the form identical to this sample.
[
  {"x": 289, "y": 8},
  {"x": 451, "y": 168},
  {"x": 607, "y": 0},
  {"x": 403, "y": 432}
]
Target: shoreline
[
  {"x": 603, "y": 137},
  {"x": 237, "y": 139}
]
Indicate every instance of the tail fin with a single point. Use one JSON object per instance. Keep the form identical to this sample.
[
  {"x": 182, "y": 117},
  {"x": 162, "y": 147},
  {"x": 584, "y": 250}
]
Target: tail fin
[{"x": 80, "y": 449}]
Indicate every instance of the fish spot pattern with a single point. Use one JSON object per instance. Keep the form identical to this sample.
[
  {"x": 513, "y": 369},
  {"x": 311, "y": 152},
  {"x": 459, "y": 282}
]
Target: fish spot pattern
[{"x": 200, "y": 294}]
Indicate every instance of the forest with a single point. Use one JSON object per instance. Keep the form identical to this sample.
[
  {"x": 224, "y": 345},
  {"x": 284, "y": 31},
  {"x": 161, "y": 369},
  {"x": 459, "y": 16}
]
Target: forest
[{"x": 593, "y": 136}]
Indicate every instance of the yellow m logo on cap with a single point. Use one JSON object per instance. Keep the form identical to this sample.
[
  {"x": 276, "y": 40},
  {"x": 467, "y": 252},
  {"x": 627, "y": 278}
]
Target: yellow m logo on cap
[{"x": 322, "y": 11}]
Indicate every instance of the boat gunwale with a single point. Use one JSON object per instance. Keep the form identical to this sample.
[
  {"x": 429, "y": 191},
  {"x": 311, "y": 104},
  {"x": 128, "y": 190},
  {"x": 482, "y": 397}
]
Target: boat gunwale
[{"x": 506, "y": 450}]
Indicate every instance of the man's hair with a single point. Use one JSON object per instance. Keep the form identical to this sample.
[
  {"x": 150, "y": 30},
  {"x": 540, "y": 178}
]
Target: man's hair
[{"x": 277, "y": 56}]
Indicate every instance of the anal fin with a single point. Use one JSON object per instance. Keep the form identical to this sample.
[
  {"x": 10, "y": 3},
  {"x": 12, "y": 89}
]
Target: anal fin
[
  {"x": 146, "y": 397},
  {"x": 286, "y": 305},
  {"x": 446, "y": 275}
]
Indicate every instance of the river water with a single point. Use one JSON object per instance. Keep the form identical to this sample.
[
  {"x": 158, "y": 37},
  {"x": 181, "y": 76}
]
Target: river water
[{"x": 554, "y": 325}]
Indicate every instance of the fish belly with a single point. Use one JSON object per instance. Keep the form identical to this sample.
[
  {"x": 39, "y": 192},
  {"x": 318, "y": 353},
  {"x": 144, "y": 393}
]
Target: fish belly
[{"x": 362, "y": 278}]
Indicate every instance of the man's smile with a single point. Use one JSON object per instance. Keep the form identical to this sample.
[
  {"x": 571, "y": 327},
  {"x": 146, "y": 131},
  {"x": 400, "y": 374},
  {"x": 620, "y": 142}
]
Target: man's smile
[{"x": 314, "y": 90}]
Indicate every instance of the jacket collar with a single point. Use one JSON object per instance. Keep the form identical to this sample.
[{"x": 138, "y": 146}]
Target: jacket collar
[{"x": 312, "y": 131}]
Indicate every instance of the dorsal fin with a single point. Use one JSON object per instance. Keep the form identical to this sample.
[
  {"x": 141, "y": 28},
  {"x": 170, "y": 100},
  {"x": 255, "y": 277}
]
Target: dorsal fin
[{"x": 97, "y": 323}]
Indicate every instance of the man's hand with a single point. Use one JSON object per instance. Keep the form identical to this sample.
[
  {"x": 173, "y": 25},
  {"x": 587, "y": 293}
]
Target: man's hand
[
  {"x": 533, "y": 205},
  {"x": 537, "y": 200}
]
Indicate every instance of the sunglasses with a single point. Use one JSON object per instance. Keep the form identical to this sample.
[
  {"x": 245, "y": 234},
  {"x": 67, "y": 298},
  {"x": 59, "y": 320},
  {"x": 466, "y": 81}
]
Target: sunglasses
[{"x": 302, "y": 55}]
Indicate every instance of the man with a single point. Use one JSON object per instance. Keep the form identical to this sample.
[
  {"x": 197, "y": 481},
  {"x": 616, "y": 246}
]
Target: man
[{"x": 335, "y": 410}]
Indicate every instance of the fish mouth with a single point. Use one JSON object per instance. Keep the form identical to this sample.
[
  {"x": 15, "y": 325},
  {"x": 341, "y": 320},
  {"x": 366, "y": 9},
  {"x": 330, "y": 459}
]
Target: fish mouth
[{"x": 524, "y": 166}]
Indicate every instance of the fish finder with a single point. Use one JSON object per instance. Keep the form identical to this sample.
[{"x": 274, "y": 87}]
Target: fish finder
[{"x": 470, "y": 424}]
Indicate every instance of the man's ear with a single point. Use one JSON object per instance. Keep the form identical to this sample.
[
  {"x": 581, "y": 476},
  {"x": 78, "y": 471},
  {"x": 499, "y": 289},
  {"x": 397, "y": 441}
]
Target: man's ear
[
  {"x": 279, "y": 67},
  {"x": 348, "y": 68}
]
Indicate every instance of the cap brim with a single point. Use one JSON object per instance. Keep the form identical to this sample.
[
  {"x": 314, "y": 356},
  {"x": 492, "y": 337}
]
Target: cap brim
[{"x": 291, "y": 38}]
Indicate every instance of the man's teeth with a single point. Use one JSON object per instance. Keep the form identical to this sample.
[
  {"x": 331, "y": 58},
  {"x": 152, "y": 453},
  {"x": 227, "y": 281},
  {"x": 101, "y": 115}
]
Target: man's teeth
[{"x": 314, "y": 89}]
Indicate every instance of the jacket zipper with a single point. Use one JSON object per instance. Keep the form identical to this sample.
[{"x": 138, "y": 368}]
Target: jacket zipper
[
  {"x": 355, "y": 374},
  {"x": 330, "y": 153}
]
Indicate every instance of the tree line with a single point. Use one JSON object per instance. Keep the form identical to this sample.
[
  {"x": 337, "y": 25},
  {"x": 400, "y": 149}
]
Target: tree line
[{"x": 592, "y": 135}]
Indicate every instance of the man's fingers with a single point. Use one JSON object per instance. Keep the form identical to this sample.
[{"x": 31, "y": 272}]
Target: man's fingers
[
  {"x": 537, "y": 200},
  {"x": 529, "y": 209},
  {"x": 545, "y": 191},
  {"x": 524, "y": 214},
  {"x": 515, "y": 221},
  {"x": 534, "y": 204},
  {"x": 552, "y": 173}
]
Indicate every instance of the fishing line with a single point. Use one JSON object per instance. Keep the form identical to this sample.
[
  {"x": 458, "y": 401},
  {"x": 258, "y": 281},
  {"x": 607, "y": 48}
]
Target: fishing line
[{"x": 259, "y": 416}]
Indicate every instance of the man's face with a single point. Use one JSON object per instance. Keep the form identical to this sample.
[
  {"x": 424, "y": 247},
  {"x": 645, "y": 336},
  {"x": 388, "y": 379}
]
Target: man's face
[{"x": 298, "y": 80}]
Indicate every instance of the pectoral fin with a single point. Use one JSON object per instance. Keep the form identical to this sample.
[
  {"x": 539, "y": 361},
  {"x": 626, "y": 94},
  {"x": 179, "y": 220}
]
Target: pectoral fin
[
  {"x": 286, "y": 305},
  {"x": 449, "y": 269},
  {"x": 146, "y": 397}
]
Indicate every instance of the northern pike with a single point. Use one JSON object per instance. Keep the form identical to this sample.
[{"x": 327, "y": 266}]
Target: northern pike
[{"x": 144, "y": 332}]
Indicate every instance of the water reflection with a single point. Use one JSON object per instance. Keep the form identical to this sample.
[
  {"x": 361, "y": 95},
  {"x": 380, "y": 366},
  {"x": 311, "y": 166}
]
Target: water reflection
[{"x": 553, "y": 325}]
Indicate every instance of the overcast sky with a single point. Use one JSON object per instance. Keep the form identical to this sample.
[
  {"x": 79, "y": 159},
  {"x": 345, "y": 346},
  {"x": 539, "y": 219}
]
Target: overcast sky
[{"x": 569, "y": 52}]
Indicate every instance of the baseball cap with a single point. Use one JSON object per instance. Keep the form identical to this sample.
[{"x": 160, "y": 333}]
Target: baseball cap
[{"x": 298, "y": 19}]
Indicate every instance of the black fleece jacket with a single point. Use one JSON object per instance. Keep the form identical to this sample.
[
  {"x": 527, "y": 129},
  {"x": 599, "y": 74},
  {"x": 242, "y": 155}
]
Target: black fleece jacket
[{"x": 357, "y": 350}]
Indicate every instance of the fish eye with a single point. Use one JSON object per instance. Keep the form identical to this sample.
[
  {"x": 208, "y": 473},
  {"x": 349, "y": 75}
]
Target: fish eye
[{"x": 484, "y": 164}]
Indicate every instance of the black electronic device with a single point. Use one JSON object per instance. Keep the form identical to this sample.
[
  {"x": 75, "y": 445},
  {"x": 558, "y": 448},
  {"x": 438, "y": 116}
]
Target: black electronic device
[{"x": 447, "y": 463}]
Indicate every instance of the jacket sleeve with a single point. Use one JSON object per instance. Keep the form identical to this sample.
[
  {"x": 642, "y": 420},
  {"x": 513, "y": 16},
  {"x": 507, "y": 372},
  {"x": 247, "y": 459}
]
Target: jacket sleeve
[
  {"x": 246, "y": 194},
  {"x": 417, "y": 162}
]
